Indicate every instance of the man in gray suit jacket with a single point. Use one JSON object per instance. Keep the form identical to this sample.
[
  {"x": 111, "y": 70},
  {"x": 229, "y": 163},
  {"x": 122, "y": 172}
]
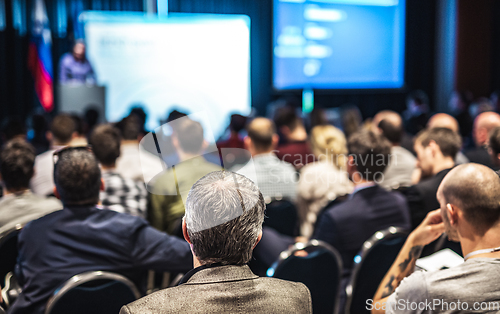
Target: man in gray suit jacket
[{"x": 223, "y": 223}]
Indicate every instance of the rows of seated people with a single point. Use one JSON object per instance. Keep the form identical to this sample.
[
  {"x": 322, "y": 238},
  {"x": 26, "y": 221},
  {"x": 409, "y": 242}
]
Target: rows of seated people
[{"x": 98, "y": 200}]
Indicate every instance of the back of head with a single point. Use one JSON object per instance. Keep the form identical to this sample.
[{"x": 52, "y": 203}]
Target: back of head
[
  {"x": 286, "y": 117},
  {"x": 329, "y": 143},
  {"x": 449, "y": 142},
  {"x": 224, "y": 216},
  {"x": 14, "y": 127},
  {"x": 62, "y": 128},
  {"x": 475, "y": 189},
  {"x": 238, "y": 123},
  {"x": 77, "y": 177},
  {"x": 105, "y": 141},
  {"x": 391, "y": 131},
  {"x": 443, "y": 120},
  {"x": 494, "y": 142},
  {"x": 130, "y": 128},
  {"x": 16, "y": 165},
  {"x": 370, "y": 152},
  {"x": 190, "y": 136},
  {"x": 351, "y": 119},
  {"x": 487, "y": 121},
  {"x": 261, "y": 132}
]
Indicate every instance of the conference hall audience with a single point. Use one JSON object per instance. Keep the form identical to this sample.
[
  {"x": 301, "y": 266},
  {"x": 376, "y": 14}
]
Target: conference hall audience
[
  {"x": 84, "y": 237},
  {"x": 169, "y": 189},
  {"x": 483, "y": 124},
  {"x": 370, "y": 208},
  {"x": 61, "y": 134},
  {"x": 18, "y": 204},
  {"x": 135, "y": 162},
  {"x": 469, "y": 213},
  {"x": 436, "y": 150},
  {"x": 223, "y": 222},
  {"x": 402, "y": 163},
  {"x": 81, "y": 138},
  {"x": 458, "y": 106},
  {"x": 38, "y": 138},
  {"x": 232, "y": 149},
  {"x": 120, "y": 194},
  {"x": 444, "y": 120},
  {"x": 324, "y": 180},
  {"x": 294, "y": 148},
  {"x": 275, "y": 178}
]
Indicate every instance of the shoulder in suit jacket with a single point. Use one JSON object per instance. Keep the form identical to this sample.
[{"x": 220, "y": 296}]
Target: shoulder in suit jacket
[{"x": 226, "y": 289}]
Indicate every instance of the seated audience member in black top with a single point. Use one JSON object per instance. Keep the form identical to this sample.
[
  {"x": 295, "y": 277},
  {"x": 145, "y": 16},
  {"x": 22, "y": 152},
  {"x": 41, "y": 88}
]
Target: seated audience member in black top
[
  {"x": 223, "y": 223},
  {"x": 483, "y": 124},
  {"x": 436, "y": 150},
  {"x": 83, "y": 237},
  {"x": 370, "y": 208}
]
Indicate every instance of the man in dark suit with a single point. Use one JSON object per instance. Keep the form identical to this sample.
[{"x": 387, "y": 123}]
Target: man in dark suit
[
  {"x": 82, "y": 237},
  {"x": 223, "y": 223},
  {"x": 483, "y": 124},
  {"x": 370, "y": 208},
  {"x": 436, "y": 150}
]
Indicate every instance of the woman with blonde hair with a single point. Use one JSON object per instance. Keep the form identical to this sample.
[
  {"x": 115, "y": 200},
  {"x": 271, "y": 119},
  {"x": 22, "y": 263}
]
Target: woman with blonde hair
[{"x": 324, "y": 180}]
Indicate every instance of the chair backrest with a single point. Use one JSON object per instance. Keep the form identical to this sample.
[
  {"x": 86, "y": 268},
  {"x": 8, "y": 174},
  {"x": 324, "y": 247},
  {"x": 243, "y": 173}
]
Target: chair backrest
[
  {"x": 370, "y": 266},
  {"x": 281, "y": 215},
  {"x": 92, "y": 292},
  {"x": 8, "y": 251},
  {"x": 320, "y": 271}
]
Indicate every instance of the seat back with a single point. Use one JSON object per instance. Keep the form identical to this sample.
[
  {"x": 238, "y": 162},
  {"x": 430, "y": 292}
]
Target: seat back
[
  {"x": 370, "y": 266},
  {"x": 8, "y": 251},
  {"x": 320, "y": 271},
  {"x": 281, "y": 215},
  {"x": 94, "y": 292}
]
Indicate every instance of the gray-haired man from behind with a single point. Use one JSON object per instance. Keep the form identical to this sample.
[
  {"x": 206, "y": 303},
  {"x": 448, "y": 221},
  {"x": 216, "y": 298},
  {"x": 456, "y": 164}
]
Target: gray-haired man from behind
[{"x": 223, "y": 223}]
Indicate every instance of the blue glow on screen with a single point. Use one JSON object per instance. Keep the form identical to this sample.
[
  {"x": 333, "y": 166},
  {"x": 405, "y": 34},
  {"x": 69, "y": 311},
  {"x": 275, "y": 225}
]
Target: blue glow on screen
[
  {"x": 188, "y": 62},
  {"x": 338, "y": 44}
]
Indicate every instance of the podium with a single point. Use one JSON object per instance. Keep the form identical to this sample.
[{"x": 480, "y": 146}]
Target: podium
[{"x": 73, "y": 98}]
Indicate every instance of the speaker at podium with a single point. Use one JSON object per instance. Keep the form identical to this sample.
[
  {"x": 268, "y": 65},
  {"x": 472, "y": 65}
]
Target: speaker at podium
[{"x": 76, "y": 98}]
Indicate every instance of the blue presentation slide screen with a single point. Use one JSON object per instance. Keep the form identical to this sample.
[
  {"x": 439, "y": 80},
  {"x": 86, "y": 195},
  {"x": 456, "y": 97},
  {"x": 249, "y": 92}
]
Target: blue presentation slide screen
[
  {"x": 189, "y": 62},
  {"x": 338, "y": 44}
]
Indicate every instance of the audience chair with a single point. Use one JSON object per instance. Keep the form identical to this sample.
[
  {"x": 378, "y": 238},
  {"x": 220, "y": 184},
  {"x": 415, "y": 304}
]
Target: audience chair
[
  {"x": 96, "y": 292},
  {"x": 320, "y": 270},
  {"x": 281, "y": 215},
  {"x": 370, "y": 266},
  {"x": 8, "y": 251}
]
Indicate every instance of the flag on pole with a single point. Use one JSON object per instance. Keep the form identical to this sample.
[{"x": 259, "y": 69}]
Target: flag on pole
[{"x": 40, "y": 55}]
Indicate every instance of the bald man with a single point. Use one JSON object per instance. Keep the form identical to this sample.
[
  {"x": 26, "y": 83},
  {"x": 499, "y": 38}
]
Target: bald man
[
  {"x": 402, "y": 163},
  {"x": 443, "y": 120},
  {"x": 275, "y": 178},
  {"x": 469, "y": 198},
  {"x": 483, "y": 124}
]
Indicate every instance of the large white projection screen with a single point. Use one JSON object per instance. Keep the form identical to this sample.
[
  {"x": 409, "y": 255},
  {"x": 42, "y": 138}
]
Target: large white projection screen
[{"x": 188, "y": 62}]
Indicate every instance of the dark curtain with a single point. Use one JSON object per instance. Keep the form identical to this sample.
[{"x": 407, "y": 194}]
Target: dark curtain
[{"x": 16, "y": 86}]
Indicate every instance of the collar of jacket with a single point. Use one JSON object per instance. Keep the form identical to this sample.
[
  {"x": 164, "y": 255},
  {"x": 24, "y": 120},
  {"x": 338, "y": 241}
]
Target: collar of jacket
[{"x": 213, "y": 273}]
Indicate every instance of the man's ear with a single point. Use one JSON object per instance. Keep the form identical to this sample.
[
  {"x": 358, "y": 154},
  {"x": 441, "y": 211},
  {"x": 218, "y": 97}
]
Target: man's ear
[
  {"x": 258, "y": 240},
  {"x": 276, "y": 140},
  {"x": 185, "y": 231},
  {"x": 247, "y": 142},
  {"x": 56, "y": 193},
  {"x": 49, "y": 136},
  {"x": 452, "y": 213},
  {"x": 101, "y": 188}
]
